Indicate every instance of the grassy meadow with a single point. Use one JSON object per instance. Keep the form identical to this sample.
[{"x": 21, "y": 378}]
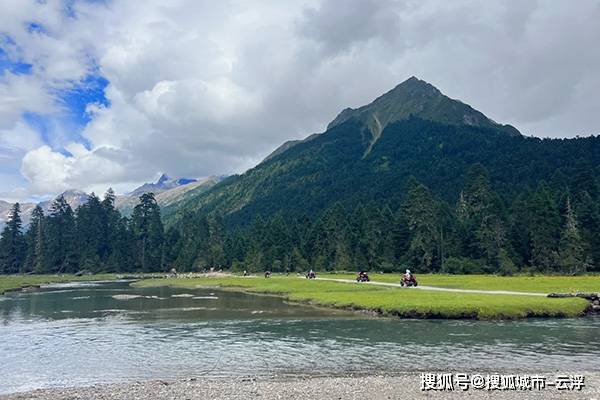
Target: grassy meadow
[
  {"x": 400, "y": 302},
  {"x": 517, "y": 283}
]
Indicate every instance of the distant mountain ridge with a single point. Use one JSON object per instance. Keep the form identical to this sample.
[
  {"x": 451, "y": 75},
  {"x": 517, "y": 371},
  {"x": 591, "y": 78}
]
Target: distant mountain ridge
[
  {"x": 74, "y": 198},
  {"x": 168, "y": 192},
  {"x": 163, "y": 183}
]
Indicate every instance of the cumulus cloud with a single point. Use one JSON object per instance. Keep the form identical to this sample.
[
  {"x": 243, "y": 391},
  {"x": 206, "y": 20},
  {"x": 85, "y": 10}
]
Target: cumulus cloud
[
  {"x": 201, "y": 87},
  {"x": 20, "y": 94}
]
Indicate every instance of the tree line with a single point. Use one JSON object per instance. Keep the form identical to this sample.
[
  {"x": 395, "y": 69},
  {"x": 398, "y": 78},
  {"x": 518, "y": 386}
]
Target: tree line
[
  {"x": 94, "y": 238},
  {"x": 543, "y": 229}
]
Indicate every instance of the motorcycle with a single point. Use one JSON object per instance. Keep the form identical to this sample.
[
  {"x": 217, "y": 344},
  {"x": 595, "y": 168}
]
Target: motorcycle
[
  {"x": 311, "y": 275},
  {"x": 408, "y": 281},
  {"x": 362, "y": 277}
]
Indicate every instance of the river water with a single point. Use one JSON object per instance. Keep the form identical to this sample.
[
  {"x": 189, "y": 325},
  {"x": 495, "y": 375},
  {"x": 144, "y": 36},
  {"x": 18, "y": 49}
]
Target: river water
[{"x": 85, "y": 333}]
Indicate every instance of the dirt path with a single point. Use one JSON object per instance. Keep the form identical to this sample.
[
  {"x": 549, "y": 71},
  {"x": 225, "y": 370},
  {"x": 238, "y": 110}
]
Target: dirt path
[{"x": 436, "y": 288}]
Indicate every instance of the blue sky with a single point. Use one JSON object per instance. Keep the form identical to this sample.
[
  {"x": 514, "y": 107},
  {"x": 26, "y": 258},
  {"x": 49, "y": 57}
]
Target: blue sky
[{"x": 72, "y": 101}]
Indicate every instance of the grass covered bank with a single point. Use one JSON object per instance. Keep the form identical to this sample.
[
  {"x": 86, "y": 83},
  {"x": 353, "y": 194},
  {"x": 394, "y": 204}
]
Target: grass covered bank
[
  {"x": 407, "y": 303},
  {"x": 517, "y": 283},
  {"x": 15, "y": 282}
]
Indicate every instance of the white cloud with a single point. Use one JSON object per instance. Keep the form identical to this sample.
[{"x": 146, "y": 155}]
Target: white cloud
[
  {"x": 19, "y": 94},
  {"x": 21, "y": 137},
  {"x": 203, "y": 87},
  {"x": 51, "y": 171}
]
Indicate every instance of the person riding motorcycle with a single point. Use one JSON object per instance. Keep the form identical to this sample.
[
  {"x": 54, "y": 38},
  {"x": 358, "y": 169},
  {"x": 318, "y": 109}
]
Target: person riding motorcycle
[
  {"x": 408, "y": 279},
  {"x": 362, "y": 276}
]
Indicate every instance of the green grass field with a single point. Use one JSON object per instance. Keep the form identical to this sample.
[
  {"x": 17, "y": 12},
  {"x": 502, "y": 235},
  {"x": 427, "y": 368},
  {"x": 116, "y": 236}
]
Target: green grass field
[
  {"x": 518, "y": 283},
  {"x": 10, "y": 282},
  {"x": 408, "y": 303}
]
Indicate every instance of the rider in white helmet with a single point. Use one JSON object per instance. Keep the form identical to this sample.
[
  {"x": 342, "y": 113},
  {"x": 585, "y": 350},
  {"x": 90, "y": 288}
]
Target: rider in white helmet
[{"x": 408, "y": 273}]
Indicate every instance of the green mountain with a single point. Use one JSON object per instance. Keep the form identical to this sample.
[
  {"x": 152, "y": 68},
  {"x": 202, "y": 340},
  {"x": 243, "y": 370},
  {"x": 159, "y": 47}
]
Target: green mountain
[{"x": 368, "y": 155}]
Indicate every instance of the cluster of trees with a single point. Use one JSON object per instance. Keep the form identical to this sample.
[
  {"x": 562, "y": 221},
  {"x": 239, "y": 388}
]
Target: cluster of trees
[
  {"x": 546, "y": 230},
  {"x": 95, "y": 237}
]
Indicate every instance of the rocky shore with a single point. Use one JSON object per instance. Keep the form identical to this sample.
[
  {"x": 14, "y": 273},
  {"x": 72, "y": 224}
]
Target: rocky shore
[{"x": 322, "y": 388}]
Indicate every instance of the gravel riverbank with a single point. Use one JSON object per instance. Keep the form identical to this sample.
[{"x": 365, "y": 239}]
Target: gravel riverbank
[{"x": 323, "y": 388}]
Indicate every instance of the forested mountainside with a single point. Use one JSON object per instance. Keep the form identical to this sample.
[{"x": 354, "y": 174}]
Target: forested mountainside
[
  {"x": 415, "y": 179},
  {"x": 493, "y": 200},
  {"x": 449, "y": 199},
  {"x": 424, "y": 134},
  {"x": 311, "y": 176}
]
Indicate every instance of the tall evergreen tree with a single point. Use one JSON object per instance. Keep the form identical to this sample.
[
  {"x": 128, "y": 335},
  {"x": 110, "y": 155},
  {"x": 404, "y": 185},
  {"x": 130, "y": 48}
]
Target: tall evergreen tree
[
  {"x": 35, "y": 239},
  {"x": 421, "y": 212},
  {"x": 571, "y": 255},
  {"x": 588, "y": 218},
  {"x": 117, "y": 235},
  {"x": 12, "y": 243},
  {"x": 544, "y": 229},
  {"x": 61, "y": 246},
  {"x": 92, "y": 234},
  {"x": 148, "y": 231}
]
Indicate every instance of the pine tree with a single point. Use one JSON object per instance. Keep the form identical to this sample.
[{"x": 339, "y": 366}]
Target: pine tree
[
  {"x": 571, "y": 255},
  {"x": 62, "y": 251},
  {"x": 588, "y": 219},
  {"x": 216, "y": 242},
  {"x": 12, "y": 243},
  {"x": 421, "y": 213},
  {"x": 92, "y": 230},
  {"x": 479, "y": 211},
  {"x": 298, "y": 262},
  {"x": 115, "y": 241},
  {"x": 544, "y": 228},
  {"x": 518, "y": 232},
  {"x": 35, "y": 239},
  {"x": 148, "y": 231}
]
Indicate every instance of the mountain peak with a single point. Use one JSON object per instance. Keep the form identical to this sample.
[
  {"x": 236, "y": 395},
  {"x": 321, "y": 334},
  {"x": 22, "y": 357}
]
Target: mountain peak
[
  {"x": 415, "y": 85},
  {"x": 163, "y": 179},
  {"x": 162, "y": 184},
  {"x": 416, "y": 97}
]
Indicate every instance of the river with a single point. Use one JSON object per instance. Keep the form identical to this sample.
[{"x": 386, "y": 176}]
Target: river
[{"x": 86, "y": 333}]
